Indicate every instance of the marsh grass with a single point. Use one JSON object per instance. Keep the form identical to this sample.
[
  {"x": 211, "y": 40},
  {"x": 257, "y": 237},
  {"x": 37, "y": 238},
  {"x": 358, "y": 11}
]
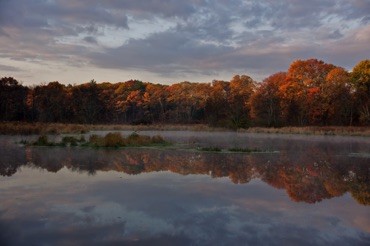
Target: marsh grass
[
  {"x": 314, "y": 130},
  {"x": 24, "y": 128}
]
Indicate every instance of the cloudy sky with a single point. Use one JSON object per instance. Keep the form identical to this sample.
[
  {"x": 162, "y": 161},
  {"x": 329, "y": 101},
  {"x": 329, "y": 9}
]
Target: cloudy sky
[{"x": 169, "y": 41}]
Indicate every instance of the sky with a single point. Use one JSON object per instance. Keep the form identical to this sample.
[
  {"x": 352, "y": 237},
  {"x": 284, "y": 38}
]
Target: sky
[{"x": 169, "y": 41}]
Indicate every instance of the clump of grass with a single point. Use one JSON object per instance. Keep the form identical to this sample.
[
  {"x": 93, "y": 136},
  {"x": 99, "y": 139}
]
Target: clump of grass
[
  {"x": 211, "y": 149},
  {"x": 158, "y": 140},
  {"x": 43, "y": 141},
  {"x": 245, "y": 150},
  {"x": 72, "y": 141},
  {"x": 112, "y": 139},
  {"x": 135, "y": 139}
]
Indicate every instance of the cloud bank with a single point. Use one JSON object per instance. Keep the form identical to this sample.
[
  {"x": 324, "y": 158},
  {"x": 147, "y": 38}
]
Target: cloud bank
[{"x": 170, "y": 41}]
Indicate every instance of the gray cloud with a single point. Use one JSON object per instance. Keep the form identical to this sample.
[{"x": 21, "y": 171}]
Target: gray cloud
[
  {"x": 6, "y": 68},
  {"x": 90, "y": 39},
  {"x": 192, "y": 37}
]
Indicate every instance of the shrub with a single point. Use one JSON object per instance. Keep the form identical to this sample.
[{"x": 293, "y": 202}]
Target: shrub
[
  {"x": 95, "y": 140},
  {"x": 136, "y": 139},
  {"x": 158, "y": 140},
  {"x": 72, "y": 141},
  {"x": 113, "y": 139},
  {"x": 42, "y": 140}
]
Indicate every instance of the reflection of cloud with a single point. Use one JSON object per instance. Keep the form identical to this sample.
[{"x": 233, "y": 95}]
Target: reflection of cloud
[
  {"x": 137, "y": 223},
  {"x": 169, "y": 208}
]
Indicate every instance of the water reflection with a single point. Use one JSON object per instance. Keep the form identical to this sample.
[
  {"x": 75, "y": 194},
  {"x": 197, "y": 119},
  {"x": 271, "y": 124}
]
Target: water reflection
[
  {"x": 81, "y": 196},
  {"x": 308, "y": 176}
]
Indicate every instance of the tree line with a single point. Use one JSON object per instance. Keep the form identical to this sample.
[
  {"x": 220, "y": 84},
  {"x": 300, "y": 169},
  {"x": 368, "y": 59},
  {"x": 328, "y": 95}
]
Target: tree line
[{"x": 311, "y": 92}]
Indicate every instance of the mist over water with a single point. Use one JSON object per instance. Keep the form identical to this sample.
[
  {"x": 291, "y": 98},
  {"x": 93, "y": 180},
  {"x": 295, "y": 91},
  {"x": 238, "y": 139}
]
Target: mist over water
[{"x": 308, "y": 190}]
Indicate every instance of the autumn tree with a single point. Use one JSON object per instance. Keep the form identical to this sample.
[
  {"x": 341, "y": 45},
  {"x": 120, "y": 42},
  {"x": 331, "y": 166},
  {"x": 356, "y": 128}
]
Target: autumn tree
[
  {"x": 107, "y": 99},
  {"x": 241, "y": 90},
  {"x": 311, "y": 92},
  {"x": 265, "y": 102},
  {"x": 217, "y": 107},
  {"x": 12, "y": 99},
  {"x": 154, "y": 101},
  {"x": 361, "y": 81},
  {"x": 124, "y": 107},
  {"x": 301, "y": 91},
  {"x": 336, "y": 100},
  {"x": 186, "y": 101},
  {"x": 87, "y": 104},
  {"x": 49, "y": 102}
]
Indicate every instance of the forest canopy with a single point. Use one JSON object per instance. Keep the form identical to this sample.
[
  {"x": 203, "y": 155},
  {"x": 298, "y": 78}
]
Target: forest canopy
[{"x": 311, "y": 92}]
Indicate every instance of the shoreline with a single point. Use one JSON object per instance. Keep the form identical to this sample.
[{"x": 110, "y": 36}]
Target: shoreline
[{"x": 25, "y": 128}]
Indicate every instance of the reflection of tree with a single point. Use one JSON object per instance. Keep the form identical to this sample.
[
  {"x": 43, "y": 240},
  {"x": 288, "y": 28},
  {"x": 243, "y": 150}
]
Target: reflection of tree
[
  {"x": 359, "y": 182},
  {"x": 10, "y": 161},
  {"x": 309, "y": 176}
]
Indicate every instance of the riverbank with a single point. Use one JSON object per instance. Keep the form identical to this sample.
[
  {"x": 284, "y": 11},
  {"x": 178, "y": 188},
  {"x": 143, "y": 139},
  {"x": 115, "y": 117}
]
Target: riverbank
[{"x": 23, "y": 128}]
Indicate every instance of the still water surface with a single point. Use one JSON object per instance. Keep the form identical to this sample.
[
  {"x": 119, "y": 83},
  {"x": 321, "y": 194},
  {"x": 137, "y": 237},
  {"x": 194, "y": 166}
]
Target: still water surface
[{"x": 301, "y": 191}]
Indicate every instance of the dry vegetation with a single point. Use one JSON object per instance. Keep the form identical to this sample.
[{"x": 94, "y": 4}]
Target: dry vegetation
[
  {"x": 22, "y": 128},
  {"x": 314, "y": 130}
]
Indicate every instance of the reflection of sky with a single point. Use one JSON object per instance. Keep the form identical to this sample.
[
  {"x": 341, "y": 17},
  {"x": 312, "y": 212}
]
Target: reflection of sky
[{"x": 165, "y": 208}]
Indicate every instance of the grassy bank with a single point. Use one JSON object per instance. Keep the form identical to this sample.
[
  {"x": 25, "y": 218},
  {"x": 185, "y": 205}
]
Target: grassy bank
[
  {"x": 314, "y": 130},
  {"x": 22, "y": 128}
]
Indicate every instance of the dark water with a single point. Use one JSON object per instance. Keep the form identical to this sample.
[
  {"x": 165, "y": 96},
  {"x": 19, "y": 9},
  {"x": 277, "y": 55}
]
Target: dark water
[{"x": 301, "y": 191}]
